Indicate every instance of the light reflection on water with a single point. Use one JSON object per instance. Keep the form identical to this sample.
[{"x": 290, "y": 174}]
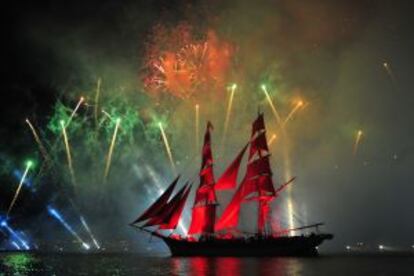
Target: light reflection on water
[
  {"x": 133, "y": 264},
  {"x": 130, "y": 264},
  {"x": 235, "y": 266}
]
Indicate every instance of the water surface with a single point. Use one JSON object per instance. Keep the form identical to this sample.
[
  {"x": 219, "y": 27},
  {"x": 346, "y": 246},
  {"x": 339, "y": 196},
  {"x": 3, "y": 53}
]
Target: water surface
[{"x": 134, "y": 264}]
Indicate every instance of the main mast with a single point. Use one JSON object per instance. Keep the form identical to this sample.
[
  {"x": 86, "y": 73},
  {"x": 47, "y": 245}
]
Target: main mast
[
  {"x": 257, "y": 184},
  {"x": 259, "y": 173},
  {"x": 205, "y": 202}
]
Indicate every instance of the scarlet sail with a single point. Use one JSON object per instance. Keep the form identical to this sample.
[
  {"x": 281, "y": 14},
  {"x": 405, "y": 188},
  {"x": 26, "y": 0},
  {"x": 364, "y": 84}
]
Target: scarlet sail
[
  {"x": 158, "y": 204},
  {"x": 258, "y": 181},
  {"x": 204, "y": 209},
  {"x": 230, "y": 217},
  {"x": 164, "y": 214},
  {"x": 171, "y": 220},
  {"x": 229, "y": 178}
]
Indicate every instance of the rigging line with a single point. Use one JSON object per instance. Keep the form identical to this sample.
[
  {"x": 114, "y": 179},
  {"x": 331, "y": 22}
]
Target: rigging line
[{"x": 295, "y": 216}]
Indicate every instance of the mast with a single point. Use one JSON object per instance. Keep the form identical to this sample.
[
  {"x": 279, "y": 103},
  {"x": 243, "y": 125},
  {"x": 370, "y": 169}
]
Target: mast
[
  {"x": 205, "y": 202},
  {"x": 259, "y": 172},
  {"x": 257, "y": 182}
]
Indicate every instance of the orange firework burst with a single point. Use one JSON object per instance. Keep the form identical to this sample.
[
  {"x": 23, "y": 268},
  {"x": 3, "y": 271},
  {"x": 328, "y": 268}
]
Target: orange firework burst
[{"x": 178, "y": 64}]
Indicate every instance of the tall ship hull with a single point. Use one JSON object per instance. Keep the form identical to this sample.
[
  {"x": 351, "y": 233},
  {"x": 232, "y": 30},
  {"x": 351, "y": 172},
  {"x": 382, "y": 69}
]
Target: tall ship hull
[
  {"x": 212, "y": 235},
  {"x": 254, "y": 247}
]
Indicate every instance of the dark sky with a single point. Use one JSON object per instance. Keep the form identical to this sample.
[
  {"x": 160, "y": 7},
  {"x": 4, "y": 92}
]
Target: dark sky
[{"x": 332, "y": 51}]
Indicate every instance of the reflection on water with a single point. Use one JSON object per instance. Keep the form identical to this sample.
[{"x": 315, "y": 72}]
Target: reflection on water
[
  {"x": 131, "y": 264},
  {"x": 200, "y": 266},
  {"x": 205, "y": 266},
  {"x": 117, "y": 264}
]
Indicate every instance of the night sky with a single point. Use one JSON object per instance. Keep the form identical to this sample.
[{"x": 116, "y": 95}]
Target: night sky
[{"x": 330, "y": 54}]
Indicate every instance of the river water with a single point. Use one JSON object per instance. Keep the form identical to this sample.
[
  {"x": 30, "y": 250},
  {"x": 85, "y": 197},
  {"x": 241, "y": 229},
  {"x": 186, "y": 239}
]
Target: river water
[{"x": 133, "y": 264}]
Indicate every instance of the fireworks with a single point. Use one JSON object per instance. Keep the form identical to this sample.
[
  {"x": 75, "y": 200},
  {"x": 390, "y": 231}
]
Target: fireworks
[
  {"x": 182, "y": 65},
  {"x": 226, "y": 122},
  {"x": 96, "y": 107},
  {"x": 110, "y": 117},
  {"x": 74, "y": 111},
  {"x": 197, "y": 126},
  {"x": 167, "y": 147},
  {"x": 68, "y": 154},
  {"x": 298, "y": 105},
  {"x": 272, "y": 139},
  {"x": 39, "y": 142},
  {"x": 55, "y": 214},
  {"x": 111, "y": 150},
  {"x": 389, "y": 71},
  {"x": 107, "y": 114},
  {"x": 357, "y": 142},
  {"x": 28, "y": 166},
  {"x": 272, "y": 106}
]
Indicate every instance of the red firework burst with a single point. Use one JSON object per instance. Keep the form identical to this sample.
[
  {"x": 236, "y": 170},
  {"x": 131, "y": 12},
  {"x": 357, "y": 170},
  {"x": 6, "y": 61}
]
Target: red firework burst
[{"x": 178, "y": 64}]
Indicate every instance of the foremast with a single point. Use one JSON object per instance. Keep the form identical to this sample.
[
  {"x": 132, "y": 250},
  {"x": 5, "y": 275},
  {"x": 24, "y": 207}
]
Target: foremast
[{"x": 205, "y": 202}]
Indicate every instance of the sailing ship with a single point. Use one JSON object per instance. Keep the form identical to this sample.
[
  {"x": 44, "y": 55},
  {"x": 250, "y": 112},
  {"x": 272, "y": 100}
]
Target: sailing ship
[{"x": 211, "y": 236}]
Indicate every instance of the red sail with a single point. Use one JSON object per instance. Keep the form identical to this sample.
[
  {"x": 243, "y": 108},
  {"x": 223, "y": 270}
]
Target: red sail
[
  {"x": 264, "y": 211},
  {"x": 162, "y": 217},
  {"x": 230, "y": 216},
  {"x": 264, "y": 203},
  {"x": 172, "y": 220},
  {"x": 258, "y": 180},
  {"x": 258, "y": 124},
  {"x": 263, "y": 188},
  {"x": 258, "y": 167},
  {"x": 229, "y": 178},
  {"x": 204, "y": 210},
  {"x": 259, "y": 171},
  {"x": 258, "y": 144},
  {"x": 158, "y": 204},
  {"x": 202, "y": 220}
]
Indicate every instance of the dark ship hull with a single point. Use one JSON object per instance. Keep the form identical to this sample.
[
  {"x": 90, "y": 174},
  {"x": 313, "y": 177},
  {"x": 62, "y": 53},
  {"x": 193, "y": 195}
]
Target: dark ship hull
[{"x": 248, "y": 247}]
